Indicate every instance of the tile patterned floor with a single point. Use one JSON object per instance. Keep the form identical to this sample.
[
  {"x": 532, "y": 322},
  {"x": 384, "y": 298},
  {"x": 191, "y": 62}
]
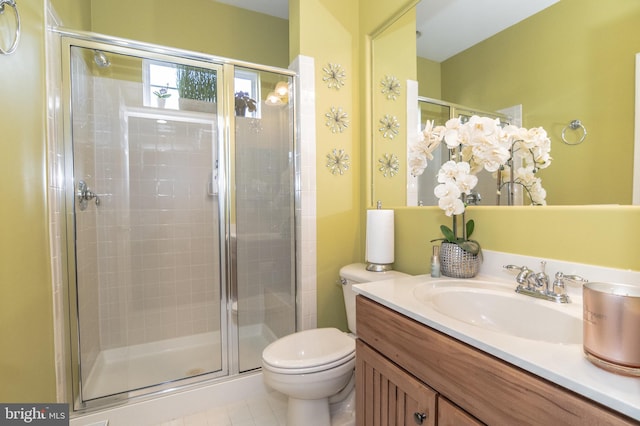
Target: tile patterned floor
[{"x": 270, "y": 410}]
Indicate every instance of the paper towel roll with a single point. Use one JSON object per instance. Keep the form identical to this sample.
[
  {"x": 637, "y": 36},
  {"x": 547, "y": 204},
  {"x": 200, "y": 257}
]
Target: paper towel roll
[{"x": 379, "y": 244}]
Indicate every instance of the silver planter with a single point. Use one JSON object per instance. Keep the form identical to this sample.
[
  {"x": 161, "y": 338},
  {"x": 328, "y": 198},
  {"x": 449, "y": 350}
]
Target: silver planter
[{"x": 458, "y": 263}]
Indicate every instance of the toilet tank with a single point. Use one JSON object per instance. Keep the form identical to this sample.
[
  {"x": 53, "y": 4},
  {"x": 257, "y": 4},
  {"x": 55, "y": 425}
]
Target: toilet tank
[{"x": 357, "y": 273}]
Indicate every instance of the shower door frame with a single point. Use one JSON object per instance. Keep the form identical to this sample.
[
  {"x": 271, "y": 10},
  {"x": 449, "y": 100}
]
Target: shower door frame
[
  {"x": 226, "y": 145},
  {"x": 150, "y": 53}
]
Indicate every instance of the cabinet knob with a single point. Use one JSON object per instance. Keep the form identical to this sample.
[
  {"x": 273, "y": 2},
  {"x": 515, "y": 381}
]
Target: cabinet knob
[{"x": 419, "y": 417}]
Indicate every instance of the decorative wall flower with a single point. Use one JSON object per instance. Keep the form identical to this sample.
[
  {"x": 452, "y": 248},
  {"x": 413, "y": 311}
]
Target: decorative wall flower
[
  {"x": 338, "y": 161},
  {"x": 334, "y": 76},
  {"x": 337, "y": 120},
  {"x": 389, "y": 126},
  {"x": 389, "y": 165},
  {"x": 390, "y": 87}
]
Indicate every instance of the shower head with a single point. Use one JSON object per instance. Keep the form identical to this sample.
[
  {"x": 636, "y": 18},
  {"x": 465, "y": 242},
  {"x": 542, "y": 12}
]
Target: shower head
[{"x": 101, "y": 59}]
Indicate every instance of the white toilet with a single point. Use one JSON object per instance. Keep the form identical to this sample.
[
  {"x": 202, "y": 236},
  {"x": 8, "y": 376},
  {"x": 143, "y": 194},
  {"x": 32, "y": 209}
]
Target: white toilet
[{"x": 315, "y": 368}]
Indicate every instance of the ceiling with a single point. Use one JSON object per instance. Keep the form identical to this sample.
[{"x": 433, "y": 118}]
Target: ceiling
[
  {"x": 277, "y": 8},
  {"x": 446, "y": 27}
]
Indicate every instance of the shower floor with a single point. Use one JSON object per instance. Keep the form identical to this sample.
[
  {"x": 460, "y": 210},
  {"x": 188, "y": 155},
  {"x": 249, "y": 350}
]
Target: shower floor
[{"x": 139, "y": 366}]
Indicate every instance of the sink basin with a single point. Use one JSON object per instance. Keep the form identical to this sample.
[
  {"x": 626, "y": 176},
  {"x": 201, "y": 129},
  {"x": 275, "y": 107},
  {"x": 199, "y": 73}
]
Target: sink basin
[{"x": 500, "y": 309}]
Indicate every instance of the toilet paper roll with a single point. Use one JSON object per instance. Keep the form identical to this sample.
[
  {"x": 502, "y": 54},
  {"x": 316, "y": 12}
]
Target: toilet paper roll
[{"x": 379, "y": 244}]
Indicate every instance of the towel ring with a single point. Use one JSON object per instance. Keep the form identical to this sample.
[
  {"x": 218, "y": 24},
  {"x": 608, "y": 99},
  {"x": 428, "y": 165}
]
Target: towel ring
[
  {"x": 574, "y": 125},
  {"x": 16, "y": 39}
]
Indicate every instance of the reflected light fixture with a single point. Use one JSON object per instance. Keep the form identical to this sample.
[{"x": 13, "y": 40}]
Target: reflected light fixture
[
  {"x": 280, "y": 94},
  {"x": 282, "y": 89}
]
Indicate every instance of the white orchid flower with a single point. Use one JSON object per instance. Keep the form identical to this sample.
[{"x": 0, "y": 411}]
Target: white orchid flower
[
  {"x": 447, "y": 189},
  {"x": 448, "y": 171},
  {"x": 466, "y": 183},
  {"x": 452, "y": 136},
  {"x": 451, "y": 205},
  {"x": 482, "y": 143},
  {"x": 417, "y": 164}
]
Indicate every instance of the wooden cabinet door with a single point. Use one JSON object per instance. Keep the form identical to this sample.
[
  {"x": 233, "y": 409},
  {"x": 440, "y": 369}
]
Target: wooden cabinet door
[
  {"x": 388, "y": 396},
  {"x": 450, "y": 414}
]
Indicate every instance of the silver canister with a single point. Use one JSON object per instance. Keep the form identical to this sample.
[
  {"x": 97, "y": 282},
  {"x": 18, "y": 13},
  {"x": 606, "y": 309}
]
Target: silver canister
[{"x": 611, "y": 314}]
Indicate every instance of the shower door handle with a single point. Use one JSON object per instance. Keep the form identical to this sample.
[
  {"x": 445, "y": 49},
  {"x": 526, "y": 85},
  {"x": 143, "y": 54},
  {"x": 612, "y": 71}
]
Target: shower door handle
[
  {"x": 212, "y": 183},
  {"x": 85, "y": 195}
]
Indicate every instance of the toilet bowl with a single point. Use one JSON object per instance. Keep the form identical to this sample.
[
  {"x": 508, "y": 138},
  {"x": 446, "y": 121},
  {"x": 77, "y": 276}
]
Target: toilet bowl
[
  {"x": 315, "y": 368},
  {"x": 309, "y": 367}
]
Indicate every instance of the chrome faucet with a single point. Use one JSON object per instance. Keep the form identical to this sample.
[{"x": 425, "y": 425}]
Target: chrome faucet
[
  {"x": 523, "y": 276},
  {"x": 538, "y": 284}
]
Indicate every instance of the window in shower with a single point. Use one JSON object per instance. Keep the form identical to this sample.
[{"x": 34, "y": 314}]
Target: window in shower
[
  {"x": 247, "y": 81},
  {"x": 161, "y": 78},
  {"x": 147, "y": 236}
]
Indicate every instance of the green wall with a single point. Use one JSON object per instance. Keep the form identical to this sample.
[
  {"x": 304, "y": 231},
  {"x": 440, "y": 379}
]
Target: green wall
[
  {"x": 26, "y": 325},
  {"x": 429, "y": 78},
  {"x": 600, "y": 235},
  {"x": 198, "y": 25},
  {"x": 73, "y": 13},
  {"x": 596, "y": 235},
  {"x": 328, "y": 31},
  {"x": 574, "y": 60}
]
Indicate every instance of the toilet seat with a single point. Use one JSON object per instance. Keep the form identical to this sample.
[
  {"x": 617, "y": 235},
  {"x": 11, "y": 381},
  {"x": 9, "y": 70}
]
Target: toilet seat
[
  {"x": 309, "y": 351},
  {"x": 309, "y": 370}
]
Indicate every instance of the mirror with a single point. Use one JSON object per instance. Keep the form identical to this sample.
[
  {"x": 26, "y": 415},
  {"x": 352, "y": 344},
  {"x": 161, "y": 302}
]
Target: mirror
[{"x": 574, "y": 60}]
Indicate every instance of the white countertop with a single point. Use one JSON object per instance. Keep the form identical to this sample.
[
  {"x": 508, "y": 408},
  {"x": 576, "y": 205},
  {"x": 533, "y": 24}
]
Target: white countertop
[{"x": 563, "y": 364}]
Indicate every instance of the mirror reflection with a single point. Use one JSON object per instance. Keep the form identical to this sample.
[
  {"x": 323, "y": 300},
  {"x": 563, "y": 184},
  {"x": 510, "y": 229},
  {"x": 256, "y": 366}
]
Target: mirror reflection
[
  {"x": 573, "y": 60},
  {"x": 434, "y": 112}
]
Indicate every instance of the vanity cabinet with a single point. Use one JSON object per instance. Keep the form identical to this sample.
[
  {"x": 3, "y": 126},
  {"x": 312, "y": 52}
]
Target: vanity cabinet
[
  {"x": 451, "y": 415},
  {"x": 390, "y": 396},
  {"x": 399, "y": 360}
]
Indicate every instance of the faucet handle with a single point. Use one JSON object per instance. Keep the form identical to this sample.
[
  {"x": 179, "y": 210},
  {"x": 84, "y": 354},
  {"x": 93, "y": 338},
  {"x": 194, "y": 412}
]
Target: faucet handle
[
  {"x": 514, "y": 268},
  {"x": 543, "y": 265},
  {"x": 559, "y": 284},
  {"x": 560, "y": 279},
  {"x": 575, "y": 278}
]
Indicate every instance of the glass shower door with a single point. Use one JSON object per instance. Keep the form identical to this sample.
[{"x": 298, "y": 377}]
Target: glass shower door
[
  {"x": 264, "y": 214},
  {"x": 147, "y": 223}
]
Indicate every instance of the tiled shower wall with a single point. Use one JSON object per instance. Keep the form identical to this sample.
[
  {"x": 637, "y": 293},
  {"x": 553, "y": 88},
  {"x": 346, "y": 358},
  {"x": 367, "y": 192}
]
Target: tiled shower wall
[
  {"x": 156, "y": 234},
  {"x": 265, "y": 223},
  {"x": 156, "y": 225},
  {"x": 163, "y": 242}
]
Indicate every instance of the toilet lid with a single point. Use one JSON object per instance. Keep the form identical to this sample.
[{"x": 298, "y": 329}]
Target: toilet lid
[{"x": 310, "y": 349}]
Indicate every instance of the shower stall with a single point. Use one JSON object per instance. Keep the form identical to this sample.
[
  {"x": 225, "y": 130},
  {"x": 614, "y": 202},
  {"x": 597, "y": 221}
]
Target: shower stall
[{"x": 179, "y": 216}]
